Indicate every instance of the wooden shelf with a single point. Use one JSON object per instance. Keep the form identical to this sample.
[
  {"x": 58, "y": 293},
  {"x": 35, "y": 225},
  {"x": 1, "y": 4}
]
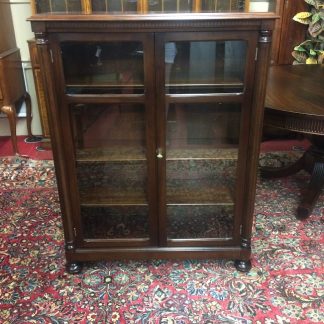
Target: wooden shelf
[
  {"x": 205, "y": 88},
  {"x": 86, "y": 88},
  {"x": 118, "y": 154},
  {"x": 104, "y": 196},
  {"x": 220, "y": 195},
  {"x": 202, "y": 154}
]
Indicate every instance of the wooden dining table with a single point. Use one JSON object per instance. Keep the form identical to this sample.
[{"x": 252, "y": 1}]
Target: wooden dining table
[{"x": 295, "y": 101}]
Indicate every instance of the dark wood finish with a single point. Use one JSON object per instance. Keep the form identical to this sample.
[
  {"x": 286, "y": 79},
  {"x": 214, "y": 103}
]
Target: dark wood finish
[
  {"x": 13, "y": 92},
  {"x": 152, "y": 32},
  {"x": 288, "y": 33},
  {"x": 295, "y": 102},
  {"x": 45, "y": 143},
  {"x": 39, "y": 86}
]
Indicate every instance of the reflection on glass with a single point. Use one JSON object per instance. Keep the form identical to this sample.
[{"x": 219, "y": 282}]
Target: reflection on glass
[
  {"x": 205, "y": 66},
  {"x": 103, "y": 67},
  {"x": 262, "y": 6},
  {"x": 201, "y": 150},
  {"x": 109, "y": 132},
  {"x": 115, "y": 222}
]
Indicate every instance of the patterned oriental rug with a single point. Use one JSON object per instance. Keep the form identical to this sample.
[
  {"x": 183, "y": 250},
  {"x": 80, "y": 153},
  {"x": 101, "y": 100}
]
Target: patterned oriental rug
[{"x": 284, "y": 286}]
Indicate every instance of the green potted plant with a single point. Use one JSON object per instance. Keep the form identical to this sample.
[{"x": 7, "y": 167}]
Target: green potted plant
[{"x": 311, "y": 51}]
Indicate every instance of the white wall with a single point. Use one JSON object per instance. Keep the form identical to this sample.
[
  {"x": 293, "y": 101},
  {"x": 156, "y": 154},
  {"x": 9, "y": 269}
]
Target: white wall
[{"x": 21, "y": 10}]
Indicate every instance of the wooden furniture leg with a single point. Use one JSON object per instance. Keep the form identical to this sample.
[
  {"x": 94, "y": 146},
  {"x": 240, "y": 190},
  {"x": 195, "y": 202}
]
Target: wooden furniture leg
[
  {"x": 10, "y": 111},
  {"x": 31, "y": 138},
  {"x": 28, "y": 113},
  {"x": 313, "y": 162},
  {"x": 313, "y": 190}
]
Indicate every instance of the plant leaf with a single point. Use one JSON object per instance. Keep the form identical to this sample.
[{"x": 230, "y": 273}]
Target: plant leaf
[
  {"x": 311, "y": 2},
  {"x": 299, "y": 48},
  {"x": 306, "y": 21},
  {"x": 301, "y": 57},
  {"x": 315, "y": 29},
  {"x": 320, "y": 58},
  {"x": 303, "y": 15},
  {"x": 311, "y": 60},
  {"x": 316, "y": 17},
  {"x": 312, "y": 52}
]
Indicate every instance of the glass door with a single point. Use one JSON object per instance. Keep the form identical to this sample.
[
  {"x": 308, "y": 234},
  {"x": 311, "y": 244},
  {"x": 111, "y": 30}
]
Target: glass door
[
  {"x": 202, "y": 135},
  {"x": 105, "y": 79}
]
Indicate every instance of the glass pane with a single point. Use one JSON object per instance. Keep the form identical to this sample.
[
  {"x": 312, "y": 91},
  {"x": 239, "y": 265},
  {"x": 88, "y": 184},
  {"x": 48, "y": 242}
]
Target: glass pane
[
  {"x": 205, "y": 66},
  {"x": 111, "y": 164},
  {"x": 170, "y": 5},
  {"x": 111, "y": 154},
  {"x": 115, "y": 222},
  {"x": 42, "y": 6},
  {"x": 103, "y": 67},
  {"x": 129, "y": 5},
  {"x": 221, "y": 5},
  {"x": 117, "y": 6},
  {"x": 99, "y": 6},
  {"x": 74, "y": 5},
  {"x": 201, "y": 151},
  {"x": 262, "y": 6},
  {"x": 156, "y": 6},
  {"x": 58, "y": 5},
  {"x": 196, "y": 222},
  {"x": 110, "y": 132}
]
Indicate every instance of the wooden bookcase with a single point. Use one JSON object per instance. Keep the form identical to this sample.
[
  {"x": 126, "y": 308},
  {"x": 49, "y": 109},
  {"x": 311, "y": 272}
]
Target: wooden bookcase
[{"x": 155, "y": 121}]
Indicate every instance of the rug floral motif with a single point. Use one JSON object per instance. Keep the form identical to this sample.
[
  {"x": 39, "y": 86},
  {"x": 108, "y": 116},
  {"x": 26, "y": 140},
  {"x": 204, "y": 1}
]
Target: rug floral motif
[{"x": 284, "y": 286}]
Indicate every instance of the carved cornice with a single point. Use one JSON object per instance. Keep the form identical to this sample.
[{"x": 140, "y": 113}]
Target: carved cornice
[{"x": 243, "y": 24}]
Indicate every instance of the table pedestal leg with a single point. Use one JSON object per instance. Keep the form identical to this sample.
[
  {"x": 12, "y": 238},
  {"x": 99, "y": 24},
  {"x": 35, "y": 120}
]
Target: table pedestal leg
[
  {"x": 313, "y": 191},
  {"x": 313, "y": 162}
]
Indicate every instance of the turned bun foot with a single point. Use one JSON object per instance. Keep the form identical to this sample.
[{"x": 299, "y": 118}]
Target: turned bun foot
[
  {"x": 242, "y": 265},
  {"x": 74, "y": 267}
]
